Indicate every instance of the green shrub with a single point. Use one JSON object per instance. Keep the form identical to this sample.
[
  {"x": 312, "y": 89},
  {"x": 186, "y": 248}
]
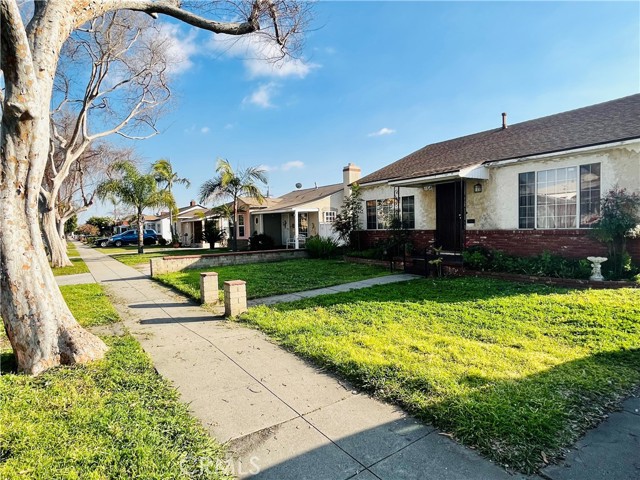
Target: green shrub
[
  {"x": 320, "y": 247},
  {"x": 477, "y": 257},
  {"x": 212, "y": 233},
  {"x": 261, "y": 242},
  {"x": 375, "y": 253},
  {"x": 544, "y": 265}
]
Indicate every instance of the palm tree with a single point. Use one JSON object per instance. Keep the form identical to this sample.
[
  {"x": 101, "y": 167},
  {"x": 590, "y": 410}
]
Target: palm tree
[
  {"x": 137, "y": 190},
  {"x": 165, "y": 175},
  {"x": 232, "y": 185}
]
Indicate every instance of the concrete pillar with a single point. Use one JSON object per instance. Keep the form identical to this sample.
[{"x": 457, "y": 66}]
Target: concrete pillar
[
  {"x": 209, "y": 287},
  {"x": 235, "y": 297}
]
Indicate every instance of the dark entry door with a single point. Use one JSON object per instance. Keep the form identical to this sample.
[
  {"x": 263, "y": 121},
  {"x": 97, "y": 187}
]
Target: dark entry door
[
  {"x": 450, "y": 216},
  {"x": 272, "y": 226},
  {"x": 197, "y": 232}
]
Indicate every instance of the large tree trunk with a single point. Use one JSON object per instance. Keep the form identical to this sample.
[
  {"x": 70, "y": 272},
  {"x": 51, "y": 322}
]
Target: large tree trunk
[
  {"x": 57, "y": 246},
  {"x": 40, "y": 327}
]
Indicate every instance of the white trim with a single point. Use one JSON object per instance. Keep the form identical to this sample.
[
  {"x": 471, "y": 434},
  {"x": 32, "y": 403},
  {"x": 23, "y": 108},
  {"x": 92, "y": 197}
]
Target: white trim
[
  {"x": 301, "y": 210},
  {"x": 474, "y": 172},
  {"x": 562, "y": 153}
]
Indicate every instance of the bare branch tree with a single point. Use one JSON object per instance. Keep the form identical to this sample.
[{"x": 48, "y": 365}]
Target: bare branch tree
[
  {"x": 112, "y": 79},
  {"x": 39, "y": 325}
]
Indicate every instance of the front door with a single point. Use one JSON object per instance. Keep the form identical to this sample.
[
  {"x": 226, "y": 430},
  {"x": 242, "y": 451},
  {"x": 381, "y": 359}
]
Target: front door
[
  {"x": 450, "y": 203},
  {"x": 197, "y": 232}
]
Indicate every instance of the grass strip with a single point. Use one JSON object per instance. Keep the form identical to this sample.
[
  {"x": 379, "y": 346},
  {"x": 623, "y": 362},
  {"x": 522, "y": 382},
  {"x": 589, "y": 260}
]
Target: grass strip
[{"x": 111, "y": 419}]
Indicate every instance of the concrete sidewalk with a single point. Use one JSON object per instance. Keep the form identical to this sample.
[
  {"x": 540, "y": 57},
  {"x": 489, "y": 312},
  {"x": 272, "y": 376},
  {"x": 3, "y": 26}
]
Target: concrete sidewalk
[
  {"x": 282, "y": 418},
  {"x": 76, "y": 279}
]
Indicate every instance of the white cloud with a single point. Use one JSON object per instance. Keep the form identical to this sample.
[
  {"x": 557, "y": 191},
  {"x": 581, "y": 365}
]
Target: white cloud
[
  {"x": 268, "y": 168},
  {"x": 262, "y": 97},
  {"x": 178, "y": 47},
  {"x": 229, "y": 126},
  {"x": 381, "y": 132},
  {"x": 292, "y": 164},
  {"x": 205, "y": 130},
  {"x": 261, "y": 56}
]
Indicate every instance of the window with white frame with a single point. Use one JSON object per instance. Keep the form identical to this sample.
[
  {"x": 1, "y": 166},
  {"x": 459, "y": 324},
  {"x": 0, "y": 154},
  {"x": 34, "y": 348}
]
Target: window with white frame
[
  {"x": 409, "y": 212},
  {"x": 241, "y": 225},
  {"x": 329, "y": 216},
  {"x": 549, "y": 199}
]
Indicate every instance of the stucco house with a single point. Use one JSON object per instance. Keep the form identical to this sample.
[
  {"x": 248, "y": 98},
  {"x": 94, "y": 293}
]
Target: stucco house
[
  {"x": 303, "y": 213},
  {"x": 525, "y": 188},
  {"x": 189, "y": 224},
  {"x": 292, "y": 218}
]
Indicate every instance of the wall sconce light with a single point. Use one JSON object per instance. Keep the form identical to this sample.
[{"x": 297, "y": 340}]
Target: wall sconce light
[
  {"x": 477, "y": 188},
  {"x": 284, "y": 224}
]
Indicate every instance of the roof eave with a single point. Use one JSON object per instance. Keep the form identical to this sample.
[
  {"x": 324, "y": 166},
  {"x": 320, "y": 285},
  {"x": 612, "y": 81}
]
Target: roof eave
[{"x": 560, "y": 153}]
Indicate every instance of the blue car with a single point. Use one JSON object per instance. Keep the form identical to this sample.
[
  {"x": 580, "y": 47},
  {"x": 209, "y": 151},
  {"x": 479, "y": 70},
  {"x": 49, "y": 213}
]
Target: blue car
[{"x": 130, "y": 237}]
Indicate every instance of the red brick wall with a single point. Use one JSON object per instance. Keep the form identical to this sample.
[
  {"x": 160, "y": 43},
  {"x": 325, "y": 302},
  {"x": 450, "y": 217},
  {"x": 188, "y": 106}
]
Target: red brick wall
[
  {"x": 566, "y": 243},
  {"x": 420, "y": 239}
]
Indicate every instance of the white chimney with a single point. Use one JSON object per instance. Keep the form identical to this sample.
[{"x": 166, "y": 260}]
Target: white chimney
[{"x": 350, "y": 173}]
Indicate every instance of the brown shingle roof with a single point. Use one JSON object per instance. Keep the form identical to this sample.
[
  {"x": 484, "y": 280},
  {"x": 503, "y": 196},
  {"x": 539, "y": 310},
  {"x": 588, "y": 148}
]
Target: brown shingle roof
[
  {"x": 602, "y": 123},
  {"x": 300, "y": 197}
]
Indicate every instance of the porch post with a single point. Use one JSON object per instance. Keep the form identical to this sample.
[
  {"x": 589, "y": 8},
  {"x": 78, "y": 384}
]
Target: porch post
[{"x": 295, "y": 228}]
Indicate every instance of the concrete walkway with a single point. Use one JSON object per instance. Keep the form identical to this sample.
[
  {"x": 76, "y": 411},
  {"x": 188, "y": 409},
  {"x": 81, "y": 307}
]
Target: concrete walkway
[
  {"x": 345, "y": 287},
  {"x": 76, "y": 279},
  {"x": 281, "y": 417}
]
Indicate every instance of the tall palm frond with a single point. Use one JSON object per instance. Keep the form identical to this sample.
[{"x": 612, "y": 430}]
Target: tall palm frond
[
  {"x": 137, "y": 190},
  {"x": 232, "y": 185}
]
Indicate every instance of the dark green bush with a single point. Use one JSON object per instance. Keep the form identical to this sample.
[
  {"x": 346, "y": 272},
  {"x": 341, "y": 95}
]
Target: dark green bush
[
  {"x": 320, "y": 247},
  {"x": 261, "y": 242},
  {"x": 375, "y": 253},
  {"x": 544, "y": 265}
]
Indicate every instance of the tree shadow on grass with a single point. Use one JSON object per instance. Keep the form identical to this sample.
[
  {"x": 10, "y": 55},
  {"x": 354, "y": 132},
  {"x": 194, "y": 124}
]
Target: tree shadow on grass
[
  {"x": 533, "y": 418},
  {"x": 8, "y": 363}
]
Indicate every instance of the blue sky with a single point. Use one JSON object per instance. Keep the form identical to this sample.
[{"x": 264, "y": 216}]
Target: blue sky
[{"x": 378, "y": 80}]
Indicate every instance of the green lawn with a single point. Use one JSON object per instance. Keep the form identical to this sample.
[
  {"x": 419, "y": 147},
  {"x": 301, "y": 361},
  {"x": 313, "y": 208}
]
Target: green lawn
[
  {"x": 78, "y": 264},
  {"x": 135, "y": 259},
  {"x": 112, "y": 419},
  {"x": 90, "y": 305},
  {"x": 130, "y": 248},
  {"x": 72, "y": 251},
  {"x": 277, "y": 278},
  {"x": 516, "y": 371}
]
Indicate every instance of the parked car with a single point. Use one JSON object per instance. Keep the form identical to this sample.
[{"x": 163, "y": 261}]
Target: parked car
[
  {"x": 101, "y": 242},
  {"x": 130, "y": 237}
]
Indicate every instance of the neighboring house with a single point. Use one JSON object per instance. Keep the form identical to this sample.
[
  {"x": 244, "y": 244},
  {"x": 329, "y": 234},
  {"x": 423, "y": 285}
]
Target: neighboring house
[
  {"x": 290, "y": 219},
  {"x": 525, "y": 188},
  {"x": 189, "y": 224}
]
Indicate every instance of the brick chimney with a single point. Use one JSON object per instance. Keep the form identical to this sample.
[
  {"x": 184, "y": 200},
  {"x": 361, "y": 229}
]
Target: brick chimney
[
  {"x": 350, "y": 173},
  {"x": 192, "y": 203}
]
